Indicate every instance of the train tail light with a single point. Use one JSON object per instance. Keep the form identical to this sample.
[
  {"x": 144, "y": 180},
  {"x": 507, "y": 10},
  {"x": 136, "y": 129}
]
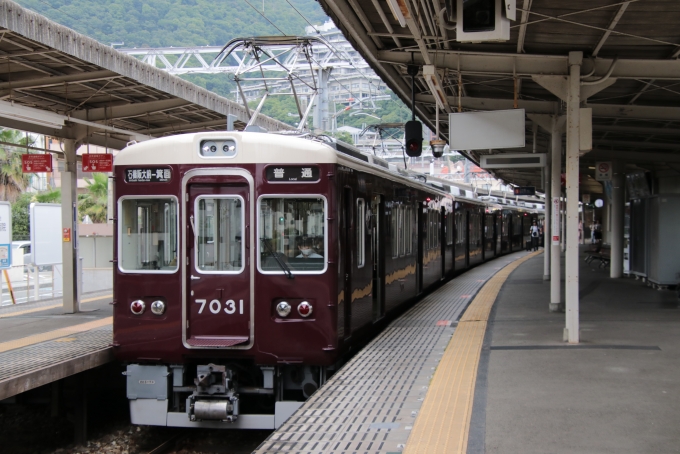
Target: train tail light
[
  {"x": 283, "y": 309},
  {"x": 158, "y": 307},
  {"x": 137, "y": 307},
  {"x": 305, "y": 309}
]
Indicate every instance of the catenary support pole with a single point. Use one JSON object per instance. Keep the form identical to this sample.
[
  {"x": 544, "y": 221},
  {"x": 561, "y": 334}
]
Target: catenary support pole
[
  {"x": 572, "y": 170},
  {"x": 69, "y": 225},
  {"x": 617, "y": 207},
  {"x": 556, "y": 304}
]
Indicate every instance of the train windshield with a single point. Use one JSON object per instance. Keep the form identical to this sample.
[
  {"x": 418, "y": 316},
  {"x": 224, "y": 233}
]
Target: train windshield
[
  {"x": 292, "y": 234},
  {"x": 147, "y": 239}
]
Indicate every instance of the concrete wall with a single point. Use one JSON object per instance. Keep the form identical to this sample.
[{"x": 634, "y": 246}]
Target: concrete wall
[{"x": 96, "y": 251}]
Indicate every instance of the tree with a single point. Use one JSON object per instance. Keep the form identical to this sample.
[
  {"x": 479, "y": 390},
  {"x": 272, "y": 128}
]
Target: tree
[
  {"x": 13, "y": 181},
  {"x": 94, "y": 202},
  {"x": 20, "y": 217}
]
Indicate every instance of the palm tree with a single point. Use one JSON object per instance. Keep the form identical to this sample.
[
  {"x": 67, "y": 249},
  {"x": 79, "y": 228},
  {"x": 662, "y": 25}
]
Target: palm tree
[
  {"x": 94, "y": 202},
  {"x": 13, "y": 182}
]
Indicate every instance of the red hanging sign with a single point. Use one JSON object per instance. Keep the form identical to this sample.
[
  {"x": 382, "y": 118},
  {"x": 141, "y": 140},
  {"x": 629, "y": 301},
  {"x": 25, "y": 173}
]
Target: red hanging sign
[
  {"x": 32, "y": 163},
  {"x": 98, "y": 162}
]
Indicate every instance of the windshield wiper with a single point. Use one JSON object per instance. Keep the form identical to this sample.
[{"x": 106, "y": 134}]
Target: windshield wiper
[{"x": 271, "y": 252}]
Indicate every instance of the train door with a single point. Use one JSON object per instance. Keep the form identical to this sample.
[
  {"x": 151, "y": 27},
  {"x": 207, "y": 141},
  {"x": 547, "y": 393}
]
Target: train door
[
  {"x": 442, "y": 242},
  {"x": 421, "y": 236},
  {"x": 218, "y": 303},
  {"x": 347, "y": 235},
  {"x": 378, "y": 256},
  {"x": 467, "y": 238}
]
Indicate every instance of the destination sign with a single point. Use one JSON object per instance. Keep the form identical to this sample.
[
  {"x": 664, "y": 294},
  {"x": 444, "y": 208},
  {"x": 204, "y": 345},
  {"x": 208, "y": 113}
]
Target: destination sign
[
  {"x": 148, "y": 175},
  {"x": 292, "y": 174},
  {"x": 525, "y": 190}
]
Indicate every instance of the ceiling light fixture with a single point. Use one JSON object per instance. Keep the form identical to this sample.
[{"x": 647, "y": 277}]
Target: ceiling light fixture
[
  {"x": 432, "y": 80},
  {"x": 399, "y": 11},
  {"x": 31, "y": 115}
]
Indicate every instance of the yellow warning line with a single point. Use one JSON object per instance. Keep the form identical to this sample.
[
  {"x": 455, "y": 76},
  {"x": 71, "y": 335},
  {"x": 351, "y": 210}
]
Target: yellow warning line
[
  {"x": 443, "y": 422},
  {"x": 53, "y": 306},
  {"x": 51, "y": 335}
]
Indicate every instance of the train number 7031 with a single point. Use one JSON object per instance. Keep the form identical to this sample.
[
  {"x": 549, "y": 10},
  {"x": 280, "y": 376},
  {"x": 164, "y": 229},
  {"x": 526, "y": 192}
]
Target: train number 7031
[{"x": 215, "y": 306}]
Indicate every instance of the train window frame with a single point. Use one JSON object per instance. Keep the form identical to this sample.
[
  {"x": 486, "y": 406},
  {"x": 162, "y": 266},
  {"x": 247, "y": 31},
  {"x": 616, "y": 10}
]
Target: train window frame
[
  {"x": 393, "y": 231},
  {"x": 121, "y": 233},
  {"x": 197, "y": 226},
  {"x": 449, "y": 228},
  {"x": 361, "y": 233},
  {"x": 408, "y": 230},
  {"x": 258, "y": 225}
]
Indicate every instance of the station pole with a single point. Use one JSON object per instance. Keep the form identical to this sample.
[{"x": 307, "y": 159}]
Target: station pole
[
  {"x": 617, "y": 215},
  {"x": 556, "y": 304},
  {"x": 572, "y": 168},
  {"x": 547, "y": 220},
  {"x": 69, "y": 224}
]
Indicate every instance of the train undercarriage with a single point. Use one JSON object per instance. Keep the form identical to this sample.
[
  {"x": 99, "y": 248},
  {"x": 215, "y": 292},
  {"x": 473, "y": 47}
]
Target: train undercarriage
[{"x": 219, "y": 395}]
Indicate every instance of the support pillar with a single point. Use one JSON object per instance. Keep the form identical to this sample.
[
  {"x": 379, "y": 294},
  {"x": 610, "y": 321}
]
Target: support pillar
[
  {"x": 572, "y": 171},
  {"x": 546, "y": 222},
  {"x": 69, "y": 220},
  {"x": 556, "y": 303},
  {"x": 617, "y": 218}
]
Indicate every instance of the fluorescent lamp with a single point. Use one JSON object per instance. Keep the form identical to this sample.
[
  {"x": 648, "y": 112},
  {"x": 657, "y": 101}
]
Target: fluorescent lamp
[
  {"x": 432, "y": 80},
  {"x": 397, "y": 12},
  {"x": 31, "y": 115}
]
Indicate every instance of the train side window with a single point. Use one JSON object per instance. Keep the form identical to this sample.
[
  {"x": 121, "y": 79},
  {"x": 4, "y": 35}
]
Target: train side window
[
  {"x": 292, "y": 230},
  {"x": 147, "y": 234},
  {"x": 361, "y": 233},
  {"x": 219, "y": 225},
  {"x": 408, "y": 230},
  {"x": 449, "y": 228}
]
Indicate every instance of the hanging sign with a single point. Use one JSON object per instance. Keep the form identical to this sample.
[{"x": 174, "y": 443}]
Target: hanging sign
[
  {"x": 98, "y": 162},
  {"x": 603, "y": 171},
  {"x": 66, "y": 235},
  {"x": 32, "y": 163},
  {"x": 555, "y": 227}
]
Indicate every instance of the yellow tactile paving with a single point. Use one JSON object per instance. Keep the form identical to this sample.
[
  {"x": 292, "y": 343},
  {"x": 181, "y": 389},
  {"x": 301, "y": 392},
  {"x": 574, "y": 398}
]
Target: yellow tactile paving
[
  {"x": 53, "y": 306},
  {"x": 443, "y": 422},
  {"x": 57, "y": 333}
]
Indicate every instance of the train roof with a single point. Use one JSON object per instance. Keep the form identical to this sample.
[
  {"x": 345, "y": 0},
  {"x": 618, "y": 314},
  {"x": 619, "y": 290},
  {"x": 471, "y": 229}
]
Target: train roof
[{"x": 265, "y": 148}]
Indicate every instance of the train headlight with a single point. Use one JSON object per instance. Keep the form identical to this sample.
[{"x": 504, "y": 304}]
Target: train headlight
[
  {"x": 304, "y": 309},
  {"x": 158, "y": 307},
  {"x": 283, "y": 309},
  {"x": 137, "y": 307}
]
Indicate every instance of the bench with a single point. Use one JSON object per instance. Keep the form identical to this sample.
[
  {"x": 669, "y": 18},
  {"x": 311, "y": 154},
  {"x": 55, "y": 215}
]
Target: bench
[{"x": 600, "y": 253}]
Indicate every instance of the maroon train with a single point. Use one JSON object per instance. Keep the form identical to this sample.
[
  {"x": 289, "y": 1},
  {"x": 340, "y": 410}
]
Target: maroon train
[{"x": 248, "y": 265}]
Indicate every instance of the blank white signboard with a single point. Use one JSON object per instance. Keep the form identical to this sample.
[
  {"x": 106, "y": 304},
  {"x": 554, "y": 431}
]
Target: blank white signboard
[
  {"x": 46, "y": 239},
  {"x": 486, "y": 130}
]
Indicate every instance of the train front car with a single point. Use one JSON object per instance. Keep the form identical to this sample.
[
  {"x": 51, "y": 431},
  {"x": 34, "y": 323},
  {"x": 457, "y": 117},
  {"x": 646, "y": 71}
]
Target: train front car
[{"x": 223, "y": 306}]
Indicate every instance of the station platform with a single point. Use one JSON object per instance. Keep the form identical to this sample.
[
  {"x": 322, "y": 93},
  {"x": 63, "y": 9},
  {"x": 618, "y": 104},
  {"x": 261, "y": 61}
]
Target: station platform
[
  {"x": 39, "y": 344},
  {"x": 494, "y": 376}
]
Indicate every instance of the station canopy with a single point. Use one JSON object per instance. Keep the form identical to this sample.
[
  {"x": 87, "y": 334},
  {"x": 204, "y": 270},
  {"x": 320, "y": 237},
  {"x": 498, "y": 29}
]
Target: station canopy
[
  {"x": 57, "y": 82},
  {"x": 629, "y": 47}
]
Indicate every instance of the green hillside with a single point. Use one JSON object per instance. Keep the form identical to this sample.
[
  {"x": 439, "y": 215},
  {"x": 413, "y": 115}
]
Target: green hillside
[
  {"x": 183, "y": 23},
  {"x": 161, "y": 23}
]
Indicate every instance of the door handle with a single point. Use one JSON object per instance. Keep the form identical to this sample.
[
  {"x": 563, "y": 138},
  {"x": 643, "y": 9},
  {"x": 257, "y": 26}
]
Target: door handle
[{"x": 194, "y": 278}]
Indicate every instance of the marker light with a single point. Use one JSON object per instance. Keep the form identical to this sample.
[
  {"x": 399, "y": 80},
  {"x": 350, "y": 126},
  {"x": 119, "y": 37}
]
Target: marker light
[
  {"x": 137, "y": 307},
  {"x": 283, "y": 309},
  {"x": 158, "y": 307},
  {"x": 305, "y": 309}
]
